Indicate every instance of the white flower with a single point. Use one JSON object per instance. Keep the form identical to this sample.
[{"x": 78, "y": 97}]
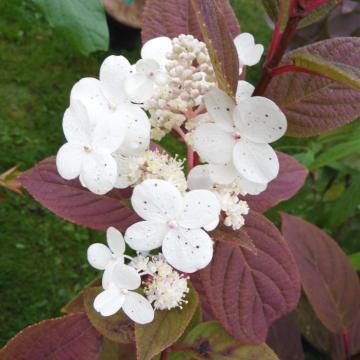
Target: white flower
[
  {"x": 118, "y": 295},
  {"x": 107, "y": 93},
  {"x": 150, "y": 73},
  {"x": 249, "y": 53},
  {"x": 104, "y": 257},
  {"x": 88, "y": 151},
  {"x": 174, "y": 222},
  {"x": 238, "y": 140}
]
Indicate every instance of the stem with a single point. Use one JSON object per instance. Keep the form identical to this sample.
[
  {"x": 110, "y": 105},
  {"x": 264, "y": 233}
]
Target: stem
[
  {"x": 274, "y": 58},
  {"x": 164, "y": 355},
  {"x": 190, "y": 157},
  {"x": 346, "y": 342}
]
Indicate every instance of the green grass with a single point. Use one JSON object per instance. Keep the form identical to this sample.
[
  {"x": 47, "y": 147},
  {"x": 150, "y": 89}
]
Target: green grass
[{"x": 42, "y": 258}]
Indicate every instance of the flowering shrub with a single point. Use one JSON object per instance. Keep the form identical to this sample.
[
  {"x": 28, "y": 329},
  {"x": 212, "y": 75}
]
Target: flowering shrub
[{"x": 191, "y": 264}]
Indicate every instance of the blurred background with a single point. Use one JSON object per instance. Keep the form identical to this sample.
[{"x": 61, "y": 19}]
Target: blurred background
[{"x": 42, "y": 257}]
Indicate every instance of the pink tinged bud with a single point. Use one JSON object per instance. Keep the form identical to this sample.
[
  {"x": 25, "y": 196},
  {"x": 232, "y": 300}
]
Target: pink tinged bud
[{"x": 172, "y": 224}]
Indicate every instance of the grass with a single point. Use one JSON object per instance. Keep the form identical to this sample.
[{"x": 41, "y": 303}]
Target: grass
[{"x": 42, "y": 257}]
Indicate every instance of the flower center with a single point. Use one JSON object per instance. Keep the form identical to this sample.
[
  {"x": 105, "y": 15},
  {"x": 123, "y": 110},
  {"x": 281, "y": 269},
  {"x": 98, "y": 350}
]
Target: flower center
[
  {"x": 236, "y": 136},
  {"x": 87, "y": 148},
  {"x": 172, "y": 224}
]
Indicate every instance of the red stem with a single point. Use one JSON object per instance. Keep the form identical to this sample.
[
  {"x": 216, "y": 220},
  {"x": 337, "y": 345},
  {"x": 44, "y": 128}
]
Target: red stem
[
  {"x": 294, "y": 68},
  {"x": 164, "y": 355},
  {"x": 346, "y": 342}
]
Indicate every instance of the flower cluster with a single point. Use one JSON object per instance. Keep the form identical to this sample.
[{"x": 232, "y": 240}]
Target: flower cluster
[{"x": 108, "y": 127}]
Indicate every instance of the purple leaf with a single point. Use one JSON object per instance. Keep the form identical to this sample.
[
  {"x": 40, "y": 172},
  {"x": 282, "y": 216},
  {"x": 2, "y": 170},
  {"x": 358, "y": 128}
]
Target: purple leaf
[
  {"x": 172, "y": 17},
  {"x": 71, "y": 201},
  {"x": 314, "y": 104},
  {"x": 327, "y": 277},
  {"x": 69, "y": 337},
  {"x": 290, "y": 180},
  {"x": 286, "y": 328},
  {"x": 248, "y": 292}
]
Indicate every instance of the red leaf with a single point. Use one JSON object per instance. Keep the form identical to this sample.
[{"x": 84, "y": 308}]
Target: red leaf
[
  {"x": 290, "y": 180},
  {"x": 328, "y": 279},
  {"x": 247, "y": 292},
  {"x": 291, "y": 348},
  {"x": 66, "y": 338},
  {"x": 314, "y": 104},
  {"x": 71, "y": 201},
  {"x": 172, "y": 17}
]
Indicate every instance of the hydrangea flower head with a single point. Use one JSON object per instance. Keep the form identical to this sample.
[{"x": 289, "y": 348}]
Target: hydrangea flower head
[{"x": 174, "y": 221}]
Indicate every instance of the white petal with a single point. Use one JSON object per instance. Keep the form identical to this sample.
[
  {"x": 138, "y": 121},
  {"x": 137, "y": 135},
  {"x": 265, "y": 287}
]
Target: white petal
[
  {"x": 157, "y": 200},
  {"x": 244, "y": 90},
  {"x": 260, "y": 120},
  {"x": 98, "y": 256},
  {"x": 88, "y": 91},
  {"x": 157, "y": 49},
  {"x": 109, "y": 302},
  {"x": 213, "y": 144},
  {"x": 201, "y": 207},
  {"x": 76, "y": 123},
  {"x": 69, "y": 160},
  {"x": 213, "y": 225},
  {"x": 147, "y": 66},
  {"x": 137, "y": 127},
  {"x": 126, "y": 277},
  {"x": 113, "y": 72},
  {"x": 220, "y": 107},
  {"x": 109, "y": 132},
  {"x": 199, "y": 178},
  {"x": 249, "y": 187},
  {"x": 99, "y": 172},
  {"x": 107, "y": 274},
  {"x": 137, "y": 308},
  {"x": 255, "y": 162},
  {"x": 223, "y": 174},
  {"x": 146, "y": 235},
  {"x": 249, "y": 53},
  {"x": 139, "y": 88},
  {"x": 115, "y": 241},
  {"x": 188, "y": 250}
]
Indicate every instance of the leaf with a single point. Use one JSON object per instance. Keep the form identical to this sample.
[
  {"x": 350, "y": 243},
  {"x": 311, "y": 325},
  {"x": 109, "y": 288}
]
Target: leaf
[
  {"x": 321, "y": 338},
  {"x": 81, "y": 22},
  {"x": 71, "y": 201},
  {"x": 336, "y": 152},
  {"x": 219, "y": 42},
  {"x": 355, "y": 260},
  {"x": 77, "y": 303},
  {"x": 118, "y": 328},
  {"x": 67, "y": 337},
  {"x": 290, "y": 180},
  {"x": 165, "y": 329},
  {"x": 113, "y": 351},
  {"x": 172, "y": 17},
  {"x": 246, "y": 293},
  {"x": 327, "y": 277},
  {"x": 314, "y": 104},
  {"x": 210, "y": 341},
  {"x": 286, "y": 328},
  {"x": 345, "y": 207},
  {"x": 346, "y": 74},
  {"x": 234, "y": 237},
  {"x": 128, "y": 14}
]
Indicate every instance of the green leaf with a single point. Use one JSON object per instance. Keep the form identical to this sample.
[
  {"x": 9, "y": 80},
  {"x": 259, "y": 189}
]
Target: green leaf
[
  {"x": 336, "y": 152},
  {"x": 113, "y": 351},
  {"x": 118, "y": 328},
  {"x": 355, "y": 260},
  {"x": 345, "y": 206},
  {"x": 165, "y": 329},
  {"x": 210, "y": 341},
  {"x": 81, "y": 22},
  {"x": 343, "y": 73}
]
